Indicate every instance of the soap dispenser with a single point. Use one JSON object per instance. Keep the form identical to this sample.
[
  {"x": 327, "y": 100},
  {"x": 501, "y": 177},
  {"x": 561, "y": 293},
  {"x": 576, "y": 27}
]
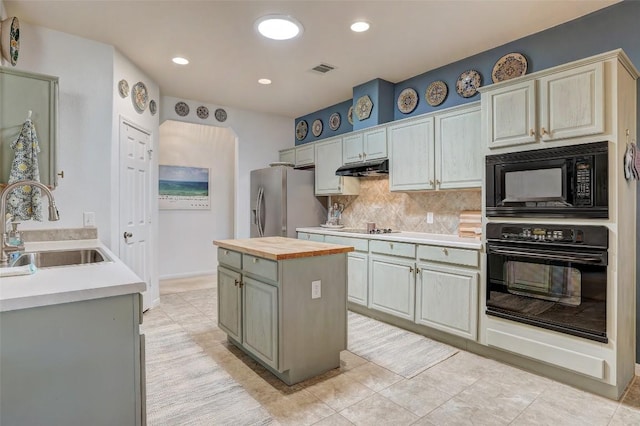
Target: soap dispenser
[{"x": 14, "y": 235}]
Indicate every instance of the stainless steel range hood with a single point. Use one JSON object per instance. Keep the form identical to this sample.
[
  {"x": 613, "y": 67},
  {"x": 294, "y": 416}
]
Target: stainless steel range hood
[{"x": 370, "y": 168}]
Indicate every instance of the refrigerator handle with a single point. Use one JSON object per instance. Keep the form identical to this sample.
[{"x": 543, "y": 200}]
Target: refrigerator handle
[{"x": 259, "y": 212}]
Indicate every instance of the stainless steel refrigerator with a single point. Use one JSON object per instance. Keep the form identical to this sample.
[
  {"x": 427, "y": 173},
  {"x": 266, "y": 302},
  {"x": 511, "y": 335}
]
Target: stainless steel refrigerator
[{"x": 282, "y": 199}]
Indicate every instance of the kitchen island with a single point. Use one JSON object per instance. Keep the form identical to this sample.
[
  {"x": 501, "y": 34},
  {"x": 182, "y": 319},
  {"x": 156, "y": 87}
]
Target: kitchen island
[{"x": 283, "y": 301}]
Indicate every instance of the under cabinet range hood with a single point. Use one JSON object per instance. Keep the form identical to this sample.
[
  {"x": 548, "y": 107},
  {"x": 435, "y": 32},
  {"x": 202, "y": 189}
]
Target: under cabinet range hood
[{"x": 370, "y": 168}]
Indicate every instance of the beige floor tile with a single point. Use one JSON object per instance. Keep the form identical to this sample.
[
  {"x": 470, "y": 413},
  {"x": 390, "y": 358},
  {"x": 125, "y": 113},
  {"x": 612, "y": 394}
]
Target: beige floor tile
[
  {"x": 378, "y": 410},
  {"x": 187, "y": 284},
  {"x": 298, "y": 409},
  {"x": 457, "y": 412},
  {"x": 334, "y": 420},
  {"x": 625, "y": 416},
  {"x": 416, "y": 396},
  {"x": 349, "y": 360},
  {"x": 561, "y": 404},
  {"x": 373, "y": 376},
  {"x": 340, "y": 391},
  {"x": 632, "y": 397}
]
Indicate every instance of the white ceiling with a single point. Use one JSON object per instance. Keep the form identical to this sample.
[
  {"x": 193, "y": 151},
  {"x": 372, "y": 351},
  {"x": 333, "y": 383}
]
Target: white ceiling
[{"x": 227, "y": 56}]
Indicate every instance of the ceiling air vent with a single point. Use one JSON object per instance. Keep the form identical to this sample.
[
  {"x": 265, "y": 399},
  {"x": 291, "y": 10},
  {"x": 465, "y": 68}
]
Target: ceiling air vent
[{"x": 323, "y": 68}]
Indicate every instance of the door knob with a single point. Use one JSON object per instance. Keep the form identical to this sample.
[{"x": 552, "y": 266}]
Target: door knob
[{"x": 127, "y": 235}]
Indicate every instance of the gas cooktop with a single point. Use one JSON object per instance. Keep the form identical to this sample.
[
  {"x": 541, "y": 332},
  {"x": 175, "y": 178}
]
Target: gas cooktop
[{"x": 364, "y": 231}]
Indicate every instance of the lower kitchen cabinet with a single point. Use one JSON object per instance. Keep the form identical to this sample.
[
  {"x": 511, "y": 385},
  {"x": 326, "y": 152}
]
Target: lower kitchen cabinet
[
  {"x": 447, "y": 299},
  {"x": 357, "y": 278},
  {"x": 77, "y": 363},
  {"x": 260, "y": 321},
  {"x": 230, "y": 302},
  {"x": 392, "y": 285}
]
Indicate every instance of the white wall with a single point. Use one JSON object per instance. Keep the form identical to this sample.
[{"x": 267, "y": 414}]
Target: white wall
[
  {"x": 185, "y": 236},
  {"x": 260, "y": 136}
]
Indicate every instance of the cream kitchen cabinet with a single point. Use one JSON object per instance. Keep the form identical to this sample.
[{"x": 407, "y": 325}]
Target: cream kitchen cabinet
[
  {"x": 442, "y": 151},
  {"x": 365, "y": 146},
  {"x": 328, "y": 156},
  {"x": 392, "y": 278},
  {"x": 305, "y": 155},
  {"x": 288, "y": 156},
  {"x": 311, "y": 237},
  {"x": 412, "y": 155},
  {"x": 357, "y": 267},
  {"x": 564, "y": 104}
]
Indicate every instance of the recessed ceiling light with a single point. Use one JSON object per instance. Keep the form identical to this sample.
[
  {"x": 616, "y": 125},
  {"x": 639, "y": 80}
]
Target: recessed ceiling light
[
  {"x": 264, "y": 81},
  {"x": 180, "y": 61},
  {"x": 359, "y": 26},
  {"x": 278, "y": 27}
]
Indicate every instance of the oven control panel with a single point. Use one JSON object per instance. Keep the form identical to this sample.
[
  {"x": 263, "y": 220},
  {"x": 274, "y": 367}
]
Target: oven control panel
[{"x": 537, "y": 233}]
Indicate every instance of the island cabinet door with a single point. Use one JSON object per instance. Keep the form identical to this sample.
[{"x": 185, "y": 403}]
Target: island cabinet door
[
  {"x": 447, "y": 299},
  {"x": 357, "y": 278},
  {"x": 392, "y": 286},
  {"x": 230, "y": 303},
  {"x": 260, "y": 320}
]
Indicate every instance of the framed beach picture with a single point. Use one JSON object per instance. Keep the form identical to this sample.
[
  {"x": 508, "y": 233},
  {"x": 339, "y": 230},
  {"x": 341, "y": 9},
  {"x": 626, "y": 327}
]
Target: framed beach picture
[{"x": 183, "y": 188}]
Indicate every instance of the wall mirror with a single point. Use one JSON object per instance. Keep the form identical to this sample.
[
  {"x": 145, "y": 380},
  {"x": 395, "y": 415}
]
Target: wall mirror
[{"x": 21, "y": 92}]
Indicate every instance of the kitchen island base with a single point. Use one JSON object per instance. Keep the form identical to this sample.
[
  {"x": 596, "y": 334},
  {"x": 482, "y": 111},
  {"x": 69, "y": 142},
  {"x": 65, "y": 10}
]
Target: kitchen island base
[{"x": 284, "y": 303}]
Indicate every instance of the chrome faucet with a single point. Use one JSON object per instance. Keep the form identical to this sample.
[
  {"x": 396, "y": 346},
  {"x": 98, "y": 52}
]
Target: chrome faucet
[{"x": 6, "y": 246}]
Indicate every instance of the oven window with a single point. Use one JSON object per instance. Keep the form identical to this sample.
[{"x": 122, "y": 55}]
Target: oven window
[
  {"x": 533, "y": 186},
  {"x": 547, "y": 282}
]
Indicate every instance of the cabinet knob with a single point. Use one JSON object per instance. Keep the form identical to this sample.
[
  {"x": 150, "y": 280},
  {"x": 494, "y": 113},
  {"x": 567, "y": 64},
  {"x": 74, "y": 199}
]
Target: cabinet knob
[
  {"x": 532, "y": 132},
  {"x": 431, "y": 182},
  {"x": 543, "y": 131},
  {"x": 360, "y": 155},
  {"x": 445, "y": 251},
  {"x": 240, "y": 283},
  {"x": 410, "y": 268},
  {"x": 364, "y": 155},
  {"x": 226, "y": 252},
  {"x": 418, "y": 271},
  {"x": 236, "y": 282},
  {"x": 438, "y": 182},
  {"x": 255, "y": 260}
]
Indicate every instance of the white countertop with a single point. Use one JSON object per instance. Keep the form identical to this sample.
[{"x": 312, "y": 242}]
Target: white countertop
[
  {"x": 51, "y": 286},
  {"x": 408, "y": 237}
]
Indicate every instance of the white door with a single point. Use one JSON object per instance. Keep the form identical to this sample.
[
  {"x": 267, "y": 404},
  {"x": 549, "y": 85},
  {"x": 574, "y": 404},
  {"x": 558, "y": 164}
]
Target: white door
[{"x": 135, "y": 215}]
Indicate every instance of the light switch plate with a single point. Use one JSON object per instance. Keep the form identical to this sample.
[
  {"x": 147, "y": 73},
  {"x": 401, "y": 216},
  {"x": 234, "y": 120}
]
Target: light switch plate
[
  {"x": 89, "y": 219},
  {"x": 316, "y": 289}
]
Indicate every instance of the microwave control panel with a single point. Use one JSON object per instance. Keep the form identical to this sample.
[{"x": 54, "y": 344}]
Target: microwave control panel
[{"x": 583, "y": 192}]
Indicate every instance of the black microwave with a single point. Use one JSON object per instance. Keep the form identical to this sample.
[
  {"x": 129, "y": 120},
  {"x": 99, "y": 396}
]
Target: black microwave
[{"x": 568, "y": 181}]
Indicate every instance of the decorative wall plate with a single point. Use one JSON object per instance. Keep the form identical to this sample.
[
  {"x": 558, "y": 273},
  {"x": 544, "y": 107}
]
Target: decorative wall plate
[
  {"x": 123, "y": 88},
  {"x": 301, "y": 130},
  {"x": 220, "y": 114},
  {"x": 153, "y": 107},
  {"x": 202, "y": 112},
  {"x": 139, "y": 96},
  {"x": 316, "y": 127},
  {"x": 407, "y": 100},
  {"x": 436, "y": 93},
  {"x": 350, "y": 115},
  {"x": 182, "y": 109},
  {"x": 364, "y": 107},
  {"x": 10, "y": 40},
  {"x": 468, "y": 83},
  {"x": 334, "y": 121},
  {"x": 510, "y": 66}
]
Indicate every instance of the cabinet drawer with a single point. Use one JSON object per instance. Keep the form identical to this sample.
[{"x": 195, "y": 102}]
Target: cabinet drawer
[
  {"x": 448, "y": 255},
  {"x": 393, "y": 248},
  {"x": 230, "y": 258},
  {"x": 310, "y": 237},
  {"x": 260, "y": 266},
  {"x": 357, "y": 243}
]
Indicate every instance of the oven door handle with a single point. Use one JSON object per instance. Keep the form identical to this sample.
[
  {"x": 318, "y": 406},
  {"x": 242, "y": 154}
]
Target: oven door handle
[{"x": 548, "y": 256}]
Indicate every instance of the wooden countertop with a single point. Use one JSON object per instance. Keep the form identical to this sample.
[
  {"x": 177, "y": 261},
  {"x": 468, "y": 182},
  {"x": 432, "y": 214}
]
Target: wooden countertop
[{"x": 280, "y": 248}]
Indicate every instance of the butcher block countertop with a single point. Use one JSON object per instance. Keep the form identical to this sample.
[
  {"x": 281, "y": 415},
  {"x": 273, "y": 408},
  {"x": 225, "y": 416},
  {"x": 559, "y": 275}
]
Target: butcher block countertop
[{"x": 281, "y": 248}]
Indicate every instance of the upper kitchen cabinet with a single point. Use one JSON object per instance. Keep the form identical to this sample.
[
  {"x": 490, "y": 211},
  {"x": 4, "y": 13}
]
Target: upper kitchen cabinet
[
  {"x": 562, "y": 103},
  {"x": 459, "y": 158},
  {"x": 288, "y": 155},
  {"x": 442, "y": 151},
  {"x": 23, "y": 92},
  {"x": 365, "y": 146},
  {"x": 411, "y": 155},
  {"x": 328, "y": 159},
  {"x": 305, "y": 155}
]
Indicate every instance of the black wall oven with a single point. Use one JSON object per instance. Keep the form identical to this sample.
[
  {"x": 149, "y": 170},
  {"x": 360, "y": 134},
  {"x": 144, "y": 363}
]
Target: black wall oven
[
  {"x": 551, "y": 276},
  {"x": 569, "y": 181}
]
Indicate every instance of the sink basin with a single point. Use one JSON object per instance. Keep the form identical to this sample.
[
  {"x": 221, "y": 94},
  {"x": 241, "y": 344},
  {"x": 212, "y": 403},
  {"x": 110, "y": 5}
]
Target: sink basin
[{"x": 54, "y": 258}]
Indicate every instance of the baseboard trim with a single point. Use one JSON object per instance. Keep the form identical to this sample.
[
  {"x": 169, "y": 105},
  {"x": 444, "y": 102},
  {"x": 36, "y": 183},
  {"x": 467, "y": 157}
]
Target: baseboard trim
[
  {"x": 188, "y": 275},
  {"x": 637, "y": 369}
]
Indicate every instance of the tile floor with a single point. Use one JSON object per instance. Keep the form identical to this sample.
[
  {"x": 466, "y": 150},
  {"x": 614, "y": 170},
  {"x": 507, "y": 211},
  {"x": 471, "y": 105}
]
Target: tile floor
[{"x": 221, "y": 385}]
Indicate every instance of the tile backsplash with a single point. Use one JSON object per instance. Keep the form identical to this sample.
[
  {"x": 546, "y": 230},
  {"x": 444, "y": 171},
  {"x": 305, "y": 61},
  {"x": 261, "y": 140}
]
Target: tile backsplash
[{"x": 406, "y": 211}]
